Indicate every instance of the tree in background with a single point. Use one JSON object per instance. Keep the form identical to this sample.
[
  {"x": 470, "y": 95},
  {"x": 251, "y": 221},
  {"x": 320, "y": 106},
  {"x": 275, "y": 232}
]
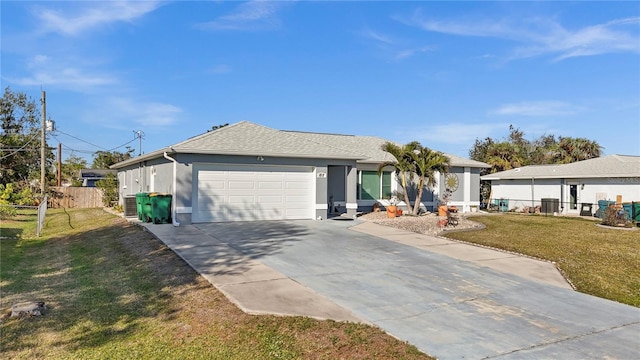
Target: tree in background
[
  {"x": 20, "y": 141},
  {"x": 104, "y": 159},
  {"x": 71, "y": 168},
  {"x": 516, "y": 151},
  {"x": 216, "y": 127}
]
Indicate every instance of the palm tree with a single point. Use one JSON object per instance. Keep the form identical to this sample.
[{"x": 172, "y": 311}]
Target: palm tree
[
  {"x": 426, "y": 163},
  {"x": 577, "y": 149},
  {"x": 402, "y": 165},
  {"x": 503, "y": 156}
]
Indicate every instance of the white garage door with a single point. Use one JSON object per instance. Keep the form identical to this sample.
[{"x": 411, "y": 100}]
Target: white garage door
[{"x": 239, "y": 193}]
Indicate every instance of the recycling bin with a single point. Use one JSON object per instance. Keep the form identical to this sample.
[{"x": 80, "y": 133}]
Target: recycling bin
[
  {"x": 143, "y": 205},
  {"x": 160, "y": 208}
]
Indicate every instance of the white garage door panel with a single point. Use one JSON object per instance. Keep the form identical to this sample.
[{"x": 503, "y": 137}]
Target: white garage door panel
[{"x": 236, "y": 193}]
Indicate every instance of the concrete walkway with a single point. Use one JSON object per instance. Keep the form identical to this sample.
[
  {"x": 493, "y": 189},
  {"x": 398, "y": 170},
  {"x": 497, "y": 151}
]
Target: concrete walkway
[
  {"x": 526, "y": 267},
  {"x": 451, "y": 300}
]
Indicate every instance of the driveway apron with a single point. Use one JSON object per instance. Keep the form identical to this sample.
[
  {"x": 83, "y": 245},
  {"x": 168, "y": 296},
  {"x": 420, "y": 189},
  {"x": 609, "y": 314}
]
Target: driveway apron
[{"x": 448, "y": 308}]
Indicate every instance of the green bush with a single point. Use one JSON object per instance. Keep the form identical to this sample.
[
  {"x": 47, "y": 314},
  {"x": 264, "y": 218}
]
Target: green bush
[
  {"x": 13, "y": 193},
  {"x": 7, "y": 211},
  {"x": 109, "y": 186}
]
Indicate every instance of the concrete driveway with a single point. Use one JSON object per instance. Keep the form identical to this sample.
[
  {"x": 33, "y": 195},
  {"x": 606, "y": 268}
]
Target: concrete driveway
[{"x": 445, "y": 306}]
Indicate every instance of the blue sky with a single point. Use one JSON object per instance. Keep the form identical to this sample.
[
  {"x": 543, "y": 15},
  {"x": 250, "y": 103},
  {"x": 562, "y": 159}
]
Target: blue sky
[{"x": 442, "y": 73}]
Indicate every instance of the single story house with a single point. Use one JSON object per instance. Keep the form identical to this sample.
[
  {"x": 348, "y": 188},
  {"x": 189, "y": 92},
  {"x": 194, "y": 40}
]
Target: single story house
[
  {"x": 570, "y": 185},
  {"x": 247, "y": 171},
  {"x": 89, "y": 177}
]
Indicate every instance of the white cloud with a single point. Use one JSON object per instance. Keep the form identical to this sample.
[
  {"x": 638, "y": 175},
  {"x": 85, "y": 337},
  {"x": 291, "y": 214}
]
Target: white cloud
[
  {"x": 89, "y": 15},
  {"x": 542, "y": 36},
  {"x": 249, "y": 16},
  {"x": 453, "y": 133},
  {"x": 411, "y": 52},
  {"x": 149, "y": 114},
  {"x": 537, "y": 108},
  {"x": 47, "y": 71},
  {"x": 374, "y": 35}
]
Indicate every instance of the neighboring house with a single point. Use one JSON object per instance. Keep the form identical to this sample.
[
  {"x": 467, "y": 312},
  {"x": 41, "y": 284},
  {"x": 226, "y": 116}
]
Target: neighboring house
[
  {"x": 571, "y": 185},
  {"x": 89, "y": 177},
  {"x": 246, "y": 171}
]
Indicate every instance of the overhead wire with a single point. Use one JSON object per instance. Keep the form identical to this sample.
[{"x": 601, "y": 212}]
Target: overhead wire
[{"x": 21, "y": 148}]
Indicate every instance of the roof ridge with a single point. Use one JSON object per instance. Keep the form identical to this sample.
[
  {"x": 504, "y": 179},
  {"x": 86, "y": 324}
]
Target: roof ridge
[
  {"x": 322, "y": 143},
  {"x": 210, "y": 132}
]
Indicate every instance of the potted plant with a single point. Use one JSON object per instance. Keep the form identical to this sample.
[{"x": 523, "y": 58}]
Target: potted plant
[
  {"x": 392, "y": 208},
  {"x": 444, "y": 199}
]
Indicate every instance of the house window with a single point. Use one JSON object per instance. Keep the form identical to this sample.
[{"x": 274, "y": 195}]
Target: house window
[{"x": 373, "y": 186}]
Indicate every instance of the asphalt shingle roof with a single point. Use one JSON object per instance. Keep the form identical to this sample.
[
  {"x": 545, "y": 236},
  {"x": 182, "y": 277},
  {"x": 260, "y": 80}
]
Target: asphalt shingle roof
[
  {"x": 605, "y": 166},
  {"x": 247, "y": 138}
]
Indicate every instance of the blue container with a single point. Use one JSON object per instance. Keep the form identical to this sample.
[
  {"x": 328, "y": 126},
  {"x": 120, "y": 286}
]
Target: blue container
[{"x": 602, "y": 207}]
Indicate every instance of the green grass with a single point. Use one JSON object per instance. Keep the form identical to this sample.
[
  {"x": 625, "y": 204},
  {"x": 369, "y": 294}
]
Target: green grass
[
  {"x": 115, "y": 292},
  {"x": 598, "y": 261}
]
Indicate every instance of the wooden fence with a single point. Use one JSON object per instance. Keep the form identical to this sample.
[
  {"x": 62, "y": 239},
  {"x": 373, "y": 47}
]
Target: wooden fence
[{"x": 75, "y": 197}]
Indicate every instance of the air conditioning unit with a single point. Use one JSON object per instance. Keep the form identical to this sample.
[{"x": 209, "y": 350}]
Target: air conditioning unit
[{"x": 130, "y": 206}]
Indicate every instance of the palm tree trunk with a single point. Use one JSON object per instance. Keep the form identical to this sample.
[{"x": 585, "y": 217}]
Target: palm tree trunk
[
  {"x": 406, "y": 194},
  {"x": 416, "y": 205}
]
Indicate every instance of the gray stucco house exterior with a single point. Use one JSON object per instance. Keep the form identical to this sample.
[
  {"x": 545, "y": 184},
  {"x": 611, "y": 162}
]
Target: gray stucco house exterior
[
  {"x": 571, "y": 185},
  {"x": 247, "y": 171}
]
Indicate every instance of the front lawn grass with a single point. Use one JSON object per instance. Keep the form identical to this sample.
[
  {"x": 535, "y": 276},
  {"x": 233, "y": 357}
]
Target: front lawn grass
[
  {"x": 113, "y": 291},
  {"x": 598, "y": 261}
]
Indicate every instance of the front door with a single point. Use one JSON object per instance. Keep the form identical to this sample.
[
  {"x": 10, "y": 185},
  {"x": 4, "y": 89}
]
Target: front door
[{"x": 574, "y": 197}]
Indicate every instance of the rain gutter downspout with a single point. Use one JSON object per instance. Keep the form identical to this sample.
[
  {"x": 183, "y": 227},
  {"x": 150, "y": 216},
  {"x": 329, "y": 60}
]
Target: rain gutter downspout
[{"x": 173, "y": 201}]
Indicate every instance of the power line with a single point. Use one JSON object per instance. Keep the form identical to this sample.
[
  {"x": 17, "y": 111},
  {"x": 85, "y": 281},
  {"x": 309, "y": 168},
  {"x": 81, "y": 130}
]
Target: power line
[
  {"x": 100, "y": 147},
  {"x": 20, "y": 149}
]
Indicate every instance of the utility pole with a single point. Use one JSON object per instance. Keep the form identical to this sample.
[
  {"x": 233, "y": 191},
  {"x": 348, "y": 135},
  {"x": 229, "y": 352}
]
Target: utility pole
[
  {"x": 43, "y": 139},
  {"x": 139, "y": 135}
]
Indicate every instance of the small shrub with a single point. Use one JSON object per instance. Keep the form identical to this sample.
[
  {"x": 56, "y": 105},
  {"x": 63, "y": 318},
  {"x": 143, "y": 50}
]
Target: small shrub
[
  {"x": 615, "y": 217},
  {"x": 7, "y": 211},
  {"x": 109, "y": 186}
]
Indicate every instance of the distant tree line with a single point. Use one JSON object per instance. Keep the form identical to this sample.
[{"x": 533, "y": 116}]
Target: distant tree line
[{"x": 516, "y": 151}]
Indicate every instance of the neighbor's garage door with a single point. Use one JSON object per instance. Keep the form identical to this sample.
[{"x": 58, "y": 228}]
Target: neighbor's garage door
[{"x": 237, "y": 193}]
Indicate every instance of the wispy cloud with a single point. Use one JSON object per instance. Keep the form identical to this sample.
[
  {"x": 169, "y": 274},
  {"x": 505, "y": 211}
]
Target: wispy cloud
[
  {"x": 407, "y": 53},
  {"x": 397, "y": 48},
  {"x": 377, "y": 36},
  {"x": 537, "y": 108},
  {"x": 249, "y": 16},
  {"x": 542, "y": 36},
  {"x": 455, "y": 133},
  {"x": 46, "y": 71},
  {"x": 143, "y": 113},
  {"x": 88, "y": 15}
]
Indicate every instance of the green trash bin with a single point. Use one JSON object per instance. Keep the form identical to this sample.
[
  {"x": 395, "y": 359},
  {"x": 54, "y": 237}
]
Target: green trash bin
[
  {"x": 142, "y": 205},
  {"x": 636, "y": 211},
  {"x": 160, "y": 208},
  {"x": 628, "y": 210}
]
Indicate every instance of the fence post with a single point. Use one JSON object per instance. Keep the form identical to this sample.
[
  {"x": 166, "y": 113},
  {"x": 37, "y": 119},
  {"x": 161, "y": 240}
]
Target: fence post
[{"x": 42, "y": 212}]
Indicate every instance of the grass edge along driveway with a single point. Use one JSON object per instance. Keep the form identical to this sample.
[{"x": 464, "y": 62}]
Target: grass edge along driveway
[{"x": 598, "y": 261}]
